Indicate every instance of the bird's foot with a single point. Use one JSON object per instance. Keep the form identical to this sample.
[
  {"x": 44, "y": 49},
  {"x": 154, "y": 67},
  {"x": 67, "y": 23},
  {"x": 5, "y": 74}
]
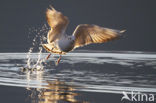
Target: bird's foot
[{"x": 58, "y": 61}]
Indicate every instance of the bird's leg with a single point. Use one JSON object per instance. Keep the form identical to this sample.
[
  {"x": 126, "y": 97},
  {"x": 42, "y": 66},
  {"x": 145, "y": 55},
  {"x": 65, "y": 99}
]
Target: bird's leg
[
  {"x": 58, "y": 60},
  {"x": 48, "y": 55}
]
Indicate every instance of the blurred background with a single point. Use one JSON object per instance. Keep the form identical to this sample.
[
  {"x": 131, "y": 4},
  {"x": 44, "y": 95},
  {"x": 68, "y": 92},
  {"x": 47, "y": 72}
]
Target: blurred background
[{"x": 17, "y": 17}]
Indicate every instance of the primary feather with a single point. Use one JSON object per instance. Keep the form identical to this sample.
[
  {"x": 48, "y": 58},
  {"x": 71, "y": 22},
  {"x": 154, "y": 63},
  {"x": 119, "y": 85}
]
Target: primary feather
[
  {"x": 86, "y": 34},
  {"x": 58, "y": 23}
]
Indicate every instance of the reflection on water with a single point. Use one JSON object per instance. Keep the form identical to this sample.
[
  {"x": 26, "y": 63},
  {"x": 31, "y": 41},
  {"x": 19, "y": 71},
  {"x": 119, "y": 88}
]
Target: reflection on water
[
  {"x": 58, "y": 91},
  {"x": 55, "y": 91}
]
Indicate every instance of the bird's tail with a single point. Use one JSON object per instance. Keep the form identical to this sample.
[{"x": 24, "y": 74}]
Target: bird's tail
[
  {"x": 47, "y": 47},
  {"x": 52, "y": 49}
]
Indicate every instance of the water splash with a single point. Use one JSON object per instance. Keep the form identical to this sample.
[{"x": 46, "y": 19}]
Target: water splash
[
  {"x": 38, "y": 64},
  {"x": 29, "y": 58},
  {"x": 40, "y": 38}
]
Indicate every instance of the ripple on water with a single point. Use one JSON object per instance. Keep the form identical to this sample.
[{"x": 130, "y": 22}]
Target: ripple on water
[{"x": 91, "y": 71}]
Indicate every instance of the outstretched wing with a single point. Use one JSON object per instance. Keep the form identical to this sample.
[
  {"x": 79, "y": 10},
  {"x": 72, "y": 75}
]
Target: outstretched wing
[
  {"x": 86, "y": 34},
  {"x": 58, "y": 23}
]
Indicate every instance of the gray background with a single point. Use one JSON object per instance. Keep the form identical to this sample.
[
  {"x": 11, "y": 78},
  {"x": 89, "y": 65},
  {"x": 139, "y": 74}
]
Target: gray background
[{"x": 136, "y": 16}]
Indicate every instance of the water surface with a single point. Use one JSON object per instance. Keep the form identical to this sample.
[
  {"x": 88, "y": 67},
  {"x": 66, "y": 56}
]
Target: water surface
[{"x": 80, "y": 71}]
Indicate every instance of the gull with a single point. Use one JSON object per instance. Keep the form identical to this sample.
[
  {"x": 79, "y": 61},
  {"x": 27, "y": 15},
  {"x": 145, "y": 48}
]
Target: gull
[{"x": 60, "y": 43}]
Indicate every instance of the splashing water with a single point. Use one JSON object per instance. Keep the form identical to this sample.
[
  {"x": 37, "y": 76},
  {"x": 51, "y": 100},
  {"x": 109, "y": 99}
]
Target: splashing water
[
  {"x": 28, "y": 57},
  {"x": 39, "y": 39},
  {"x": 38, "y": 64}
]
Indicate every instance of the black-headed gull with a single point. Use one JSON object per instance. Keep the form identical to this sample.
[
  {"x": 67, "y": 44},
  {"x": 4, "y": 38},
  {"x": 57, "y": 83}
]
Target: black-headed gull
[{"x": 60, "y": 43}]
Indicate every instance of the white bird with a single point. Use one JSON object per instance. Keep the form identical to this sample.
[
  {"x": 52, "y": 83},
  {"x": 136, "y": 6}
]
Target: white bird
[{"x": 60, "y": 43}]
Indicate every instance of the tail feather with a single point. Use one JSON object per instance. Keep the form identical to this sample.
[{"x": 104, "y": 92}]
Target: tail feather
[
  {"x": 52, "y": 49},
  {"x": 47, "y": 47}
]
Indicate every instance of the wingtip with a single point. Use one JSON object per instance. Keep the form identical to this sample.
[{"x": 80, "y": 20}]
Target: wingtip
[
  {"x": 52, "y": 7},
  {"x": 122, "y": 31}
]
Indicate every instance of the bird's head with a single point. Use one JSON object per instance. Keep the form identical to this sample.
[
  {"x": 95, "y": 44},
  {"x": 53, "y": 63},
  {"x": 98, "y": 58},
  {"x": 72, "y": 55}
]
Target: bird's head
[{"x": 71, "y": 39}]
